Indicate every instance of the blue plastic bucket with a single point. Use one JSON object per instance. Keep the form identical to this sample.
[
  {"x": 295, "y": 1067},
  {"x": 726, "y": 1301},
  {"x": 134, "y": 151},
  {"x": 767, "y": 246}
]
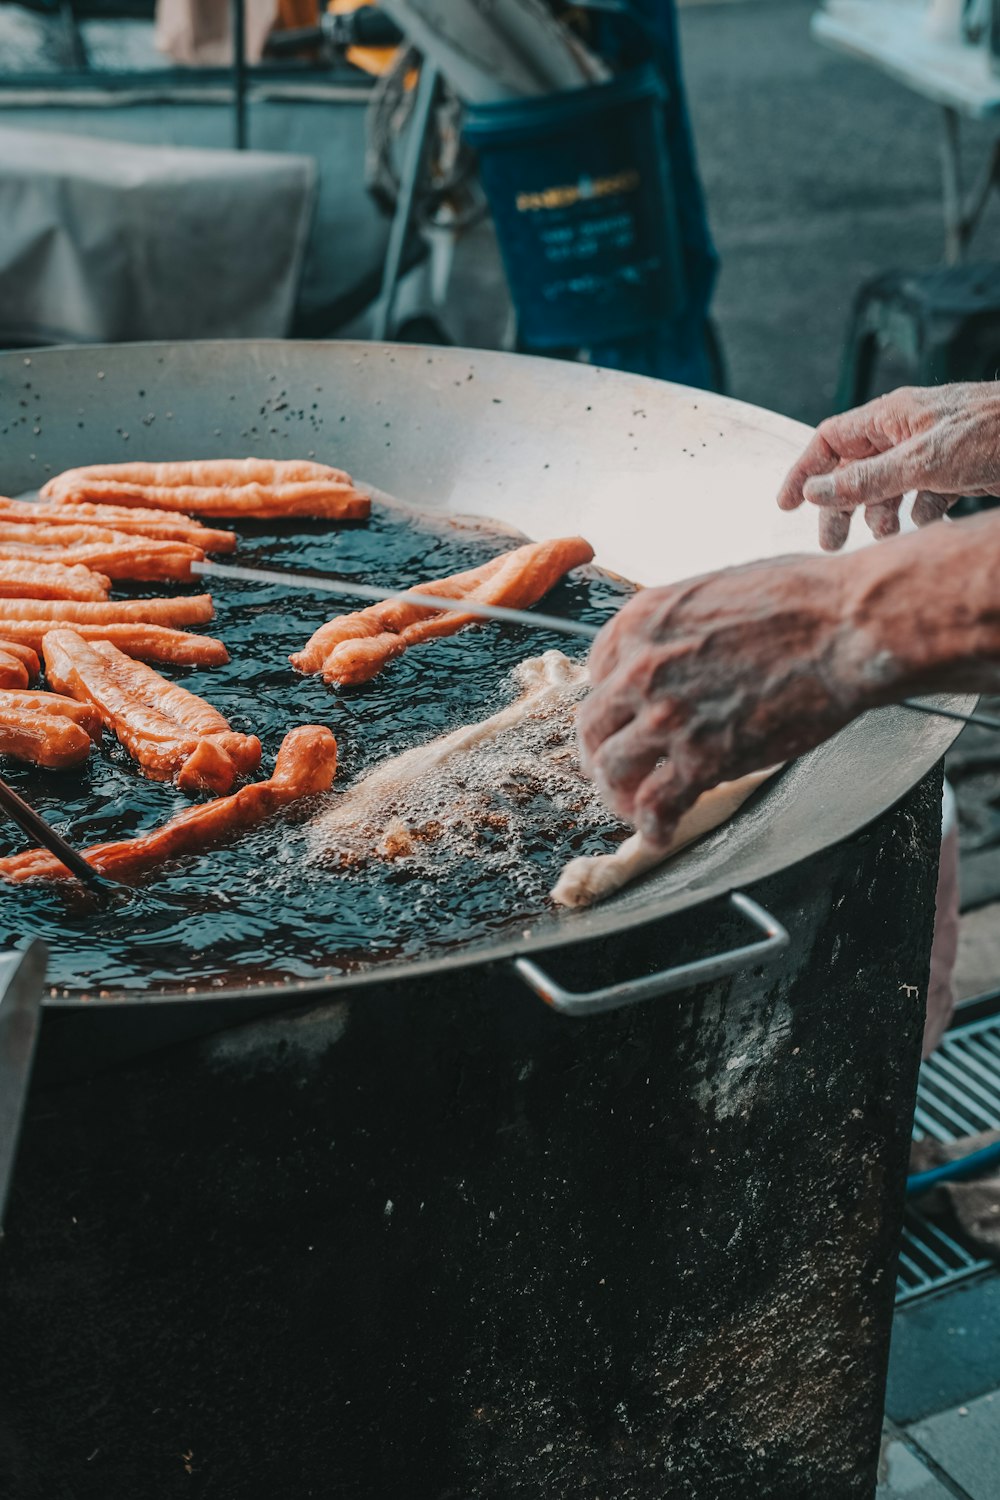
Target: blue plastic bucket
[{"x": 580, "y": 189}]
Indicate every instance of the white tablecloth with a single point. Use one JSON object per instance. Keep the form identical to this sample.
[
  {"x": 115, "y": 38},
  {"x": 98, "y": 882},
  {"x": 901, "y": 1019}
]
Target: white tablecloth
[{"x": 101, "y": 241}]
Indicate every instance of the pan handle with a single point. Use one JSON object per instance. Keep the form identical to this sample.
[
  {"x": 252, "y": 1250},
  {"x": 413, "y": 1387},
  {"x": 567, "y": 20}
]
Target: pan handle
[{"x": 649, "y": 987}]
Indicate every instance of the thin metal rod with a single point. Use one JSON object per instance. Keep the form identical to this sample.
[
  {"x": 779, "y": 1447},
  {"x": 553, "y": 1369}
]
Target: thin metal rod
[
  {"x": 237, "y": 11},
  {"x": 413, "y": 160},
  {"x": 955, "y": 234},
  {"x": 958, "y": 1170},
  {"x": 316, "y": 584},
  {"x": 984, "y": 721},
  {"x": 35, "y": 826}
]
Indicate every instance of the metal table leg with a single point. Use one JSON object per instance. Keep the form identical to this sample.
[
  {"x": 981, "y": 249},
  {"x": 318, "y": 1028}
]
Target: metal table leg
[
  {"x": 962, "y": 211},
  {"x": 239, "y": 31},
  {"x": 416, "y": 147},
  {"x": 951, "y": 182},
  {"x": 74, "y": 38}
]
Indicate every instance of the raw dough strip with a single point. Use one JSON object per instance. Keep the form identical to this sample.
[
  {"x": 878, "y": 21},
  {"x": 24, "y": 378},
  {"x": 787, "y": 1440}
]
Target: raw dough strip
[
  {"x": 249, "y": 488},
  {"x": 353, "y": 648},
  {"x": 306, "y": 764},
  {"x": 51, "y": 580},
  {"x": 171, "y": 733},
  {"x": 143, "y": 642},
  {"x": 161, "y": 525},
  {"x": 194, "y": 609},
  {"x": 596, "y": 876}
]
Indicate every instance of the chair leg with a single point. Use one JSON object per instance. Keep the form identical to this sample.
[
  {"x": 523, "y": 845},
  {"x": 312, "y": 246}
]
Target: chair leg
[
  {"x": 857, "y": 367},
  {"x": 716, "y": 358},
  {"x": 75, "y": 44},
  {"x": 973, "y": 353},
  {"x": 948, "y": 351}
]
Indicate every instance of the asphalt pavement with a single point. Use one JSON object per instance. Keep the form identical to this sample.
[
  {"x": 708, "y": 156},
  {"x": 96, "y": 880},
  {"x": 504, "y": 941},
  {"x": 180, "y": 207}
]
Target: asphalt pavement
[{"x": 820, "y": 172}]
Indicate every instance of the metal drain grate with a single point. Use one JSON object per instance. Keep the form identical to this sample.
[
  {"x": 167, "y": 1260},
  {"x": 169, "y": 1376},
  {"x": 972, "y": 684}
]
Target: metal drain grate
[
  {"x": 930, "y": 1259},
  {"x": 958, "y": 1095}
]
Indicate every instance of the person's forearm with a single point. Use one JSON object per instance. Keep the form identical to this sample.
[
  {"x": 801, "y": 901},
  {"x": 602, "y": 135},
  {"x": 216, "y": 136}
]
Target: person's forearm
[
  {"x": 924, "y": 611},
  {"x": 711, "y": 679}
]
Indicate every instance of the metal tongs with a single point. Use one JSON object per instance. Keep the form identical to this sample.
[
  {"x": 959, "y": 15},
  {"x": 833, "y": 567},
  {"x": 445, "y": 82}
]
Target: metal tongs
[
  {"x": 317, "y": 584},
  {"x": 36, "y": 827}
]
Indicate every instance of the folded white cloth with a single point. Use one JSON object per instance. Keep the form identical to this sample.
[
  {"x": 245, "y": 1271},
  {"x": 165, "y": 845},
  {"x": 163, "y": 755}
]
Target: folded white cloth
[{"x": 106, "y": 242}]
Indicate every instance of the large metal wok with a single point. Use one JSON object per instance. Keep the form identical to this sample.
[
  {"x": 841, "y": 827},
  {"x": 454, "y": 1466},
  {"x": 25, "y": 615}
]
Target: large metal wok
[
  {"x": 651, "y": 1253},
  {"x": 666, "y": 482}
]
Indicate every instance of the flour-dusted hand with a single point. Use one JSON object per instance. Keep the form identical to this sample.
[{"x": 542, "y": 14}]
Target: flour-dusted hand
[
  {"x": 942, "y": 441},
  {"x": 708, "y": 680}
]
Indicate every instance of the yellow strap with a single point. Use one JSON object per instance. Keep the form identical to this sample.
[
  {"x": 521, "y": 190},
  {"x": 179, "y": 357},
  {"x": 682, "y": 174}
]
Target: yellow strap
[{"x": 373, "y": 60}]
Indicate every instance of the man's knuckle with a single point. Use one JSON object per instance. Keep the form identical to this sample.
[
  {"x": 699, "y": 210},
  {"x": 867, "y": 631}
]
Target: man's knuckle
[
  {"x": 586, "y": 727},
  {"x": 662, "y": 717},
  {"x": 659, "y": 795},
  {"x": 605, "y": 771},
  {"x": 604, "y": 655},
  {"x": 853, "y": 482}
]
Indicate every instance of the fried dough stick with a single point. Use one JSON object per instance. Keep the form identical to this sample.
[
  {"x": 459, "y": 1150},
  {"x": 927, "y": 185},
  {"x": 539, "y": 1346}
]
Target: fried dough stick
[
  {"x": 18, "y": 665},
  {"x": 306, "y": 764},
  {"x": 84, "y": 714},
  {"x": 354, "y": 648},
  {"x": 46, "y": 730},
  {"x": 171, "y": 733},
  {"x": 140, "y": 641},
  {"x": 112, "y": 552},
  {"x": 388, "y": 619},
  {"x": 239, "y": 488},
  {"x": 35, "y": 533},
  {"x": 195, "y": 609},
  {"x": 13, "y": 672},
  {"x": 162, "y": 525},
  {"x": 51, "y": 580}
]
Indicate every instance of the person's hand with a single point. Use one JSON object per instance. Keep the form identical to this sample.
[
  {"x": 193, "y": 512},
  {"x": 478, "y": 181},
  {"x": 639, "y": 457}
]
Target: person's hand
[
  {"x": 943, "y": 441},
  {"x": 711, "y": 679}
]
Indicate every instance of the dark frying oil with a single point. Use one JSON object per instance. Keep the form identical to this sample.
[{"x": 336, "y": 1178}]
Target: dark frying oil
[{"x": 262, "y": 909}]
